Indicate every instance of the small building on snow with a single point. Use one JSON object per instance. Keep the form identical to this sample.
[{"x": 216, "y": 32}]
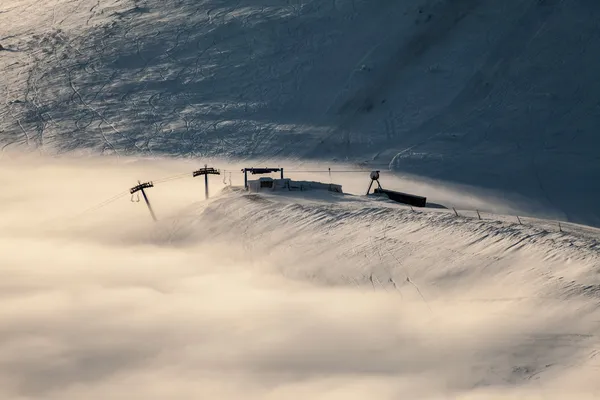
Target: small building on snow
[{"x": 286, "y": 184}]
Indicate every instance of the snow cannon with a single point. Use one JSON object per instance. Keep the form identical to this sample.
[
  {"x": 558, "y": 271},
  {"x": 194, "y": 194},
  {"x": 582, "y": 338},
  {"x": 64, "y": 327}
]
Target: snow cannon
[{"x": 399, "y": 197}]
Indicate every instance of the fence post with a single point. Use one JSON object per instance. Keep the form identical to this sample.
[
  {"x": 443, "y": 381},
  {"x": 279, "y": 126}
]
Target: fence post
[
  {"x": 479, "y": 215},
  {"x": 455, "y": 211},
  {"x": 519, "y": 219},
  {"x": 559, "y": 227}
]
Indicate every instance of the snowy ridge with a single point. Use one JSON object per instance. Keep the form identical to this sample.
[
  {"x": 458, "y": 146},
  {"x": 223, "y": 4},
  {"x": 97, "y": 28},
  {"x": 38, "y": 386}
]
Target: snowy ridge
[
  {"x": 349, "y": 223},
  {"x": 434, "y": 262}
]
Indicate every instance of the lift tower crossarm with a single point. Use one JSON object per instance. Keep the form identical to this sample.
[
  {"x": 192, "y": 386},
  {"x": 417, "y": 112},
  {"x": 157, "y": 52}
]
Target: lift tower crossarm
[
  {"x": 207, "y": 171},
  {"x": 141, "y": 186}
]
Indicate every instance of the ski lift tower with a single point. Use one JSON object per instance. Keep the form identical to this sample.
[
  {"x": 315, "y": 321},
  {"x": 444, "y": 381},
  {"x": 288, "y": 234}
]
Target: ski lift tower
[
  {"x": 259, "y": 171},
  {"x": 206, "y": 171},
  {"x": 140, "y": 188}
]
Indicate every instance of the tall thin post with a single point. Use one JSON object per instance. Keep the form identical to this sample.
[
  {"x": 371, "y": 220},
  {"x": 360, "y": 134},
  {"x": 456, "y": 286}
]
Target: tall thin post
[
  {"x": 206, "y": 183},
  {"x": 148, "y": 204},
  {"x": 281, "y": 173}
]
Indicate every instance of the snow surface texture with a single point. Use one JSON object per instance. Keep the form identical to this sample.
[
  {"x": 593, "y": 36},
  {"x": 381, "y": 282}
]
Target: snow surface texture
[
  {"x": 497, "y": 95},
  {"x": 319, "y": 296}
]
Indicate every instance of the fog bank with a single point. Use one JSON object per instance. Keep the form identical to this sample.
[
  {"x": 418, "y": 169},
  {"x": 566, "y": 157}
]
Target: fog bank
[{"x": 276, "y": 299}]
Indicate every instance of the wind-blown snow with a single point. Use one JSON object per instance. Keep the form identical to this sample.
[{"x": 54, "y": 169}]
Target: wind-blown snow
[
  {"x": 497, "y": 95},
  {"x": 270, "y": 296}
]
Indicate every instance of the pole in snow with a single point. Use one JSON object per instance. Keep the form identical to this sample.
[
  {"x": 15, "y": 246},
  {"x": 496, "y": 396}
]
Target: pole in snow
[
  {"x": 206, "y": 172},
  {"x": 140, "y": 187}
]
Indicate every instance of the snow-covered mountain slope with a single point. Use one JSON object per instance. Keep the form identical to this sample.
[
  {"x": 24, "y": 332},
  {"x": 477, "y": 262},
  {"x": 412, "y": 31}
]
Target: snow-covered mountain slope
[
  {"x": 272, "y": 296},
  {"x": 495, "y": 95}
]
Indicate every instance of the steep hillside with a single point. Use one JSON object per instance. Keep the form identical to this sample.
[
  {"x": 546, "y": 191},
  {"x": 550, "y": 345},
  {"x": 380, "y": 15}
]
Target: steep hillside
[{"x": 493, "y": 95}]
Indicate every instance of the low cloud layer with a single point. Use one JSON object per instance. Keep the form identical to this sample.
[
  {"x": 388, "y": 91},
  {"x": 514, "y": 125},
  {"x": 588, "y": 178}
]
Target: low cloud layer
[{"x": 109, "y": 305}]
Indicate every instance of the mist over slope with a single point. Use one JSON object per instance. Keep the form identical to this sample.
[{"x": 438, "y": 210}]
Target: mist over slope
[
  {"x": 261, "y": 297},
  {"x": 495, "y": 95},
  {"x": 270, "y": 297}
]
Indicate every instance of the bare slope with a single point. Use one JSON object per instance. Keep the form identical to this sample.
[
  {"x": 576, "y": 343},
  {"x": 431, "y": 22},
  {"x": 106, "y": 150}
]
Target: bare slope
[{"x": 494, "y": 95}]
